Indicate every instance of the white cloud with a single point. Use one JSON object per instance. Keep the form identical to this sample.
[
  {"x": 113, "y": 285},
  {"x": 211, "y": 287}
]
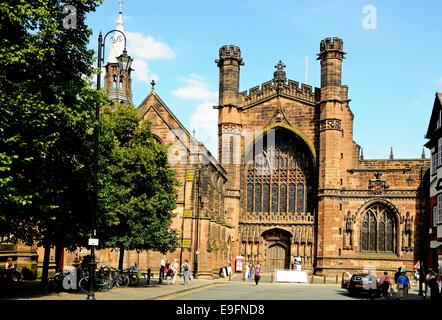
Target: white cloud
[
  {"x": 195, "y": 89},
  {"x": 144, "y": 48},
  {"x": 205, "y": 122},
  {"x": 147, "y": 48},
  {"x": 141, "y": 71}
]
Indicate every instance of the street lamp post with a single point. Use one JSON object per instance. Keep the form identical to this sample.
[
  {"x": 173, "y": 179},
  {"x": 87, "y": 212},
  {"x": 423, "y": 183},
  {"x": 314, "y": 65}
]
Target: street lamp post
[{"x": 124, "y": 63}]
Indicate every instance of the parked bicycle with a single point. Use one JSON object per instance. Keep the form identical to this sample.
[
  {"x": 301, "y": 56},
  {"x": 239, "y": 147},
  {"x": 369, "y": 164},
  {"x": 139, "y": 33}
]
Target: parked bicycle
[
  {"x": 102, "y": 282},
  {"x": 61, "y": 281}
]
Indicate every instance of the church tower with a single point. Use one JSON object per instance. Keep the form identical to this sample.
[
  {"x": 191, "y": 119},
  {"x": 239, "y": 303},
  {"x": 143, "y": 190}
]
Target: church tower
[
  {"x": 117, "y": 83},
  {"x": 230, "y": 127},
  {"x": 333, "y": 101}
]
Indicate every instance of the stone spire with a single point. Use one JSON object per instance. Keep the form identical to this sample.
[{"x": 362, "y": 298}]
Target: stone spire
[
  {"x": 117, "y": 40},
  {"x": 423, "y": 153},
  {"x": 361, "y": 157},
  {"x": 391, "y": 154}
]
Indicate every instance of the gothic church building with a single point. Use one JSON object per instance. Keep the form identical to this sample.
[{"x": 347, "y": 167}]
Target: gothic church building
[{"x": 288, "y": 180}]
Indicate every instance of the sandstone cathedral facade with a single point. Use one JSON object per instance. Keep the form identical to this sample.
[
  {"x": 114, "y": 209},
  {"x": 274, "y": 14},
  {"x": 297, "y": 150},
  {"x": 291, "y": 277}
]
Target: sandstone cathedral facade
[{"x": 288, "y": 180}]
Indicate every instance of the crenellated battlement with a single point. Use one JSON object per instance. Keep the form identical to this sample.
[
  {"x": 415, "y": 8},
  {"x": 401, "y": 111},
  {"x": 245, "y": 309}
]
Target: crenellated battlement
[
  {"x": 229, "y": 52},
  {"x": 291, "y": 88},
  {"x": 329, "y": 44}
]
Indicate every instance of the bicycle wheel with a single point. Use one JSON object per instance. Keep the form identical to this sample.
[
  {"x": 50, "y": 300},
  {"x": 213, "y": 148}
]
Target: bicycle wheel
[
  {"x": 104, "y": 285},
  {"x": 123, "y": 280},
  {"x": 84, "y": 284}
]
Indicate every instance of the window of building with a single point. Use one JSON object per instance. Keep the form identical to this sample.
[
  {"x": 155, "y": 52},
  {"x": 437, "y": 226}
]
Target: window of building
[
  {"x": 292, "y": 198},
  {"x": 266, "y": 198},
  {"x": 258, "y": 197},
  {"x": 439, "y": 204},
  {"x": 283, "y": 198},
  {"x": 286, "y": 186},
  {"x": 274, "y": 198},
  {"x": 250, "y": 197},
  {"x": 439, "y": 153},
  {"x": 300, "y": 197},
  {"x": 378, "y": 230},
  {"x": 433, "y": 163},
  {"x": 435, "y": 215}
]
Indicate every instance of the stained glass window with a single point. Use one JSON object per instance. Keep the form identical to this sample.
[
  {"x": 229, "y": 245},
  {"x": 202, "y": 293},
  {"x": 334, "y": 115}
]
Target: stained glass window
[
  {"x": 283, "y": 198},
  {"x": 377, "y": 230},
  {"x": 381, "y": 234},
  {"x": 372, "y": 233},
  {"x": 266, "y": 198},
  {"x": 390, "y": 235},
  {"x": 280, "y": 174},
  {"x": 250, "y": 197},
  {"x": 258, "y": 197},
  {"x": 274, "y": 198},
  {"x": 364, "y": 236},
  {"x": 300, "y": 197},
  {"x": 291, "y": 197}
]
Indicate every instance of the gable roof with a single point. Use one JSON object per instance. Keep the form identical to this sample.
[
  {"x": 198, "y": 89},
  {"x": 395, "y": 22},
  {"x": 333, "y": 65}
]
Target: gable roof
[
  {"x": 437, "y": 107},
  {"x": 201, "y": 148}
]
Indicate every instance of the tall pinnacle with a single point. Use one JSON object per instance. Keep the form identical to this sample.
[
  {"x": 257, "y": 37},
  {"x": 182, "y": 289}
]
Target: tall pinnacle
[
  {"x": 391, "y": 154},
  {"x": 117, "y": 40}
]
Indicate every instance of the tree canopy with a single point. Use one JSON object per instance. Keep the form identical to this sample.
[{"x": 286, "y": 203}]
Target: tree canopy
[{"x": 137, "y": 188}]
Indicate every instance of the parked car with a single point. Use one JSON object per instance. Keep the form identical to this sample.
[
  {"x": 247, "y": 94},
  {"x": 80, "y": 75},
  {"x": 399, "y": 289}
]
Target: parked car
[{"x": 361, "y": 283}]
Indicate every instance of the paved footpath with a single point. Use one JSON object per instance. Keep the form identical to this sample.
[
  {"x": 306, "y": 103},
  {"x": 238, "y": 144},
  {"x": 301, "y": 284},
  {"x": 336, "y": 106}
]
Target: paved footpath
[
  {"x": 141, "y": 292},
  {"x": 206, "y": 289}
]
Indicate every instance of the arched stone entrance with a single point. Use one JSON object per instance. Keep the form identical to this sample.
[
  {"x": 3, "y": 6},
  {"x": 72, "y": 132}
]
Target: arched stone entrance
[{"x": 277, "y": 253}]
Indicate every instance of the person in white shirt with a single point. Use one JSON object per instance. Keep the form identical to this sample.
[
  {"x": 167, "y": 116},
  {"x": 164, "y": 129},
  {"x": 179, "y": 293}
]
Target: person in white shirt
[{"x": 162, "y": 266}]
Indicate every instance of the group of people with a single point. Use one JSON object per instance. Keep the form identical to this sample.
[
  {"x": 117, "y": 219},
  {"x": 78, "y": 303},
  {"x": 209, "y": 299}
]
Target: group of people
[
  {"x": 169, "y": 271},
  {"x": 403, "y": 284},
  {"x": 254, "y": 271},
  {"x": 434, "y": 283}
]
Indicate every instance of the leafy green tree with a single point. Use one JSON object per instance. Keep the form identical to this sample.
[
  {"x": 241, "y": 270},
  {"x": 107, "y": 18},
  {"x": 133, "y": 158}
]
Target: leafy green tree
[
  {"x": 46, "y": 123},
  {"x": 137, "y": 188}
]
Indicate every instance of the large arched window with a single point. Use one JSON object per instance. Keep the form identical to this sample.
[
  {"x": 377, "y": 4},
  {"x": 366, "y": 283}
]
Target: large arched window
[
  {"x": 280, "y": 165},
  {"x": 378, "y": 229}
]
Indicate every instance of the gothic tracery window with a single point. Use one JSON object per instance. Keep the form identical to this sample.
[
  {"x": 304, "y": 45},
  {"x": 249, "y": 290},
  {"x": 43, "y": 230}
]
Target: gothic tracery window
[
  {"x": 279, "y": 175},
  {"x": 378, "y": 229}
]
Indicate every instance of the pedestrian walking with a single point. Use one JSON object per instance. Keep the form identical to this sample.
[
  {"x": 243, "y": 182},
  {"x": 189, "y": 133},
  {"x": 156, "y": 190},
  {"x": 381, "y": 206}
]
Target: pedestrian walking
[
  {"x": 372, "y": 285},
  {"x": 397, "y": 274},
  {"x": 162, "y": 266},
  {"x": 384, "y": 283},
  {"x": 186, "y": 272},
  {"x": 403, "y": 285},
  {"x": 175, "y": 267},
  {"x": 257, "y": 271}
]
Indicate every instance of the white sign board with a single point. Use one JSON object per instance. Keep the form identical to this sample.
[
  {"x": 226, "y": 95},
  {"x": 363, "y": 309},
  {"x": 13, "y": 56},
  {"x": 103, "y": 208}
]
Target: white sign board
[
  {"x": 291, "y": 276},
  {"x": 93, "y": 242}
]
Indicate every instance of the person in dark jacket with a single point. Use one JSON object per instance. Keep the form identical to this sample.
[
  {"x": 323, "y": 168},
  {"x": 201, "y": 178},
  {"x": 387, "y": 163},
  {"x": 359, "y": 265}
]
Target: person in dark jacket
[
  {"x": 397, "y": 274},
  {"x": 433, "y": 284}
]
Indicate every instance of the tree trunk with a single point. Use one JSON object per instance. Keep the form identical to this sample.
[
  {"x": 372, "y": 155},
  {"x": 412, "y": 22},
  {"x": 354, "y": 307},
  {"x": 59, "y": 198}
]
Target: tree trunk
[
  {"x": 59, "y": 258},
  {"x": 121, "y": 259},
  {"x": 44, "y": 275}
]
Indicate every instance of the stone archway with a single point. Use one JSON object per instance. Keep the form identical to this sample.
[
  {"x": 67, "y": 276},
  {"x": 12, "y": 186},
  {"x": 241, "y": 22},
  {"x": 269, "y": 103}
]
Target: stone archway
[{"x": 277, "y": 255}]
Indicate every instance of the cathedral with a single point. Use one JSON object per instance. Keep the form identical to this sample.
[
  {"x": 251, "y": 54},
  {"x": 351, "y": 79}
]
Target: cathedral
[{"x": 288, "y": 180}]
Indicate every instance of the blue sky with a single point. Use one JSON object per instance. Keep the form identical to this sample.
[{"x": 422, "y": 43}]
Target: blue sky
[{"x": 392, "y": 71}]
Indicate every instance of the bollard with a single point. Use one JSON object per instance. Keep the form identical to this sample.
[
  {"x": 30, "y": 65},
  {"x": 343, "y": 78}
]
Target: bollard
[
  {"x": 149, "y": 277},
  {"x": 325, "y": 279},
  {"x": 312, "y": 279},
  {"x": 336, "y": 278}
]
